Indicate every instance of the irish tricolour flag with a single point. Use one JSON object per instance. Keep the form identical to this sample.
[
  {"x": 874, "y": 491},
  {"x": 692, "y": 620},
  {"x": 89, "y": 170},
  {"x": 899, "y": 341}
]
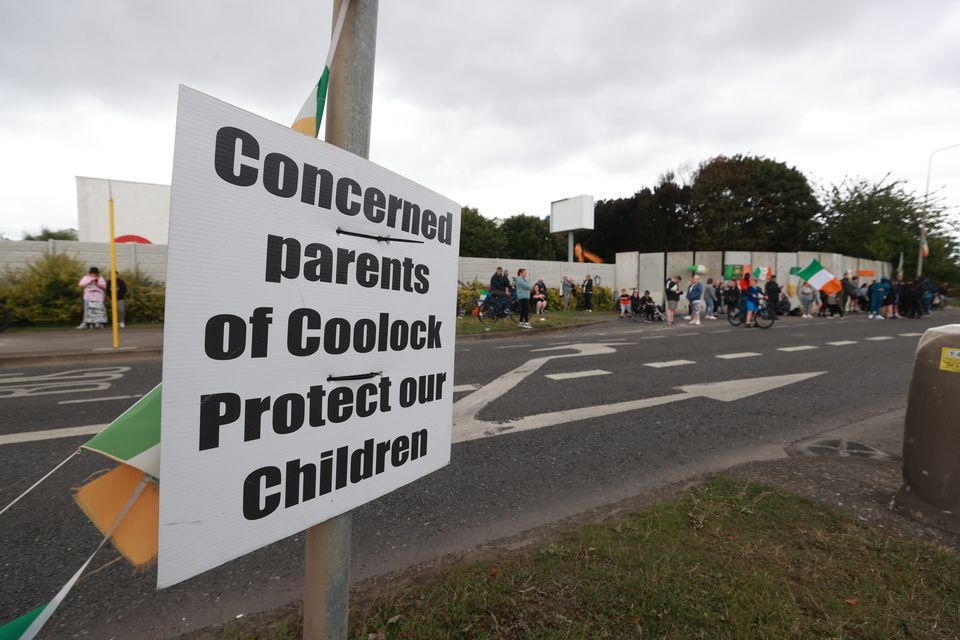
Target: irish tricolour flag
[
  {"x": 820, "y": 278},
  {"x": 308, "y": 120}
]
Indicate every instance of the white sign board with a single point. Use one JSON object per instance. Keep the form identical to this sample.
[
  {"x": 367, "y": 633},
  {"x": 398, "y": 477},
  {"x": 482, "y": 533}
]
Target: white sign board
[
  {"x": 308, "y": 361},
  {"x": 571, "y": 214}
]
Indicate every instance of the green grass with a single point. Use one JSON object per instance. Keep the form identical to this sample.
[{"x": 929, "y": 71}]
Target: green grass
[
  {"x": 729, "y": 560},
  {"x": 468, "y": 325}
]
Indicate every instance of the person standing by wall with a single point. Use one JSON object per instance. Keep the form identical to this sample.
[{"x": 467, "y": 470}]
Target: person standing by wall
[
  {"x": 695, "y": 297},
  {"x": 566, "y": 288},
  {"x": 523, "y": 298},
  {"x": 808, "y": 296},
  {"x": 672, "y": 292},
  {"x": 94, "y": 313},
  {"x": 588, "y": 292},
  {"x": 121, "y": 300},
  {"x": 710, "y": 299}
]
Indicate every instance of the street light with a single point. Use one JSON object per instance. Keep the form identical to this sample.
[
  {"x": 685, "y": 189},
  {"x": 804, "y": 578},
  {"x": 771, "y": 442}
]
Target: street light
[{"x": 926, "y": 195}]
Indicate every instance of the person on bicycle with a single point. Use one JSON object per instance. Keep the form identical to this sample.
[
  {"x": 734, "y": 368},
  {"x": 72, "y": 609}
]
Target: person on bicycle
[
  {"x": 731, "y": 296},
  {"x": 499, "y": 287},
  {"x": 751, "y": 300}
]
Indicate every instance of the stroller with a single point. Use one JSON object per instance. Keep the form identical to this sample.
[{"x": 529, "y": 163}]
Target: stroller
[{"x": 648, "y": 313}]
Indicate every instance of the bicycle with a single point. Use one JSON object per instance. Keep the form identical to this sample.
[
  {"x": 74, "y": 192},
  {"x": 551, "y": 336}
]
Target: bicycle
[
  {"x": 763, "y": 317},
  {"x": 490, "y": 308}
]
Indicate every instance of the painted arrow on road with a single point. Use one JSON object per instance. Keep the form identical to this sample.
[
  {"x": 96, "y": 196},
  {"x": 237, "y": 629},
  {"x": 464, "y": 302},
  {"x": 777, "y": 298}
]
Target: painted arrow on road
[
  {"x": 726, "y": 391},
  {"x": 466, "y": 425}
]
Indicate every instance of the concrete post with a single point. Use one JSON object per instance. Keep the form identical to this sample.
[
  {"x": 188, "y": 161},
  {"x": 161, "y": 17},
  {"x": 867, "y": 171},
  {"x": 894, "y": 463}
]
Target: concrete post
[{"x": 931, "y": 438}]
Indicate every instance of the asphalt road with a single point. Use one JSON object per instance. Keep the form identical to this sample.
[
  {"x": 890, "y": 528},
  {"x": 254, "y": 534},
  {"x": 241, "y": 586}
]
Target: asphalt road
[{"x": 511, "y": 475}]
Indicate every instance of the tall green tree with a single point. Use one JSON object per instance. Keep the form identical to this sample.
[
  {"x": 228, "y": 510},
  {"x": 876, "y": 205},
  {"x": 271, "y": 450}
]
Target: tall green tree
[
  {"x": 751, "y": 203},
  {"x": 51, "y": 234},
  {"x": 479, "y": 236},
  {"x": 880, "y": 220},
  {"x": 528, "y": 237}
]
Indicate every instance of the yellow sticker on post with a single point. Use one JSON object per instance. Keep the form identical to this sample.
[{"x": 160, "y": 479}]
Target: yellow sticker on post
[{"x": 950, "y": 359}]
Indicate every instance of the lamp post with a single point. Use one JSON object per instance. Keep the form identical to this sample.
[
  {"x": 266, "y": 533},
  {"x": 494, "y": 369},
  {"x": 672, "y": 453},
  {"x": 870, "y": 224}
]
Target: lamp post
[{"x": 926, "y": 196}]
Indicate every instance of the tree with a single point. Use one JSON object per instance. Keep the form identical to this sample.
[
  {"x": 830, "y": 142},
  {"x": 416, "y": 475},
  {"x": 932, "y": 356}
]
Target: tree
[
  {"x": 751, "y": 203},
  {"x": 882, "y": 220},
  {"x": 51, "y": 234},
  {"x": 479, "y": 236},
  {"x": 528, "y": 238}
]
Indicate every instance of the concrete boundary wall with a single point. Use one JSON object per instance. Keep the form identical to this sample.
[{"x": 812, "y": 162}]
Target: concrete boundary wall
[
  {"x": 150, "y": 258},
  {"x": 651, "y": 274},
  {"x": 640, "y": 270}
]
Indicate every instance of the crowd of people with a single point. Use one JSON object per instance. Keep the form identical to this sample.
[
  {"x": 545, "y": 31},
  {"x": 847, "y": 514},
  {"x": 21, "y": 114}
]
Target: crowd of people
[{"x": 880, "y": 299}]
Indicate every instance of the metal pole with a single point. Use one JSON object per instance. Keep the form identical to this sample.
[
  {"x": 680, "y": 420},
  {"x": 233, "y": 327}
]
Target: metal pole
[
  {"x": 926, "y": 196},
  {"x": 570, "y": 246},
  {"x": 349, "y": 105},
  {"x": 113, "y": 275}
]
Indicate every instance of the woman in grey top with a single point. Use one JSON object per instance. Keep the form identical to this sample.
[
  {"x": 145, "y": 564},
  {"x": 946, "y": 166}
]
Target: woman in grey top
[{"x": 808, "y": 296}]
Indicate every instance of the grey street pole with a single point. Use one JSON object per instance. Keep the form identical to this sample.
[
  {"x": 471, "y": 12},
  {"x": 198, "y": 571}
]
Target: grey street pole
[
  {"x": 926, "y": 196},
  {"x": 348, "y": 109}
]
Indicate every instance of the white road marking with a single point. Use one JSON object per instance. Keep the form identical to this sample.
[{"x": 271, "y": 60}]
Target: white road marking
[
  {"x": 460, "y": 388},
  {"x": 728, "y": 391},
  {"x": 514, "y": 346},
  {"x": 577, "y": 374},
  {"x": 668, "y": 363},
  {"x": 841, "y": 343},
  {"x": 802, "y": 347},
  {"x": 734, "y": 356},
  {"x": 652, "y": 337},
  {"x": 910, "y": 335},
  {"x": 878, "y": 338},
  {"x": 691, "y": 333},
  {"x": 722, "y": 331},
  {"x": 51, "y": 434},
  {"x": 136, "y": 395},
  {"x": 73, "y": 381}
]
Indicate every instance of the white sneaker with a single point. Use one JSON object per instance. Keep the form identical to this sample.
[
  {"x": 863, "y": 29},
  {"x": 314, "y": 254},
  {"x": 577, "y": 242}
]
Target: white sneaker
[
  {"x": 686, "y": 317},
  {"x": 82, "y": 325},
  {"x": 122, "y": 325},
  {"x": 870, "y": 317}
]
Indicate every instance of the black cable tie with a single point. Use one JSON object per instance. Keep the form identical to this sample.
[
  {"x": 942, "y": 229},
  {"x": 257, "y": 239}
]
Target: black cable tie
[
  {"x": 359, "y": 376},
  {"x": 386, "y": 239}
]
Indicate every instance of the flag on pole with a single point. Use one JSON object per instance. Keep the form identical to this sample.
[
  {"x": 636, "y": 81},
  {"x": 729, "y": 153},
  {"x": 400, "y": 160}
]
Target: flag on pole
[
  {"x": 308, "y": 120},
  {"x": 133, "y": 440},
  {"x": 697, "y": 268},
  {"x": 762, "y": 273},
  {"x": 900, "y": 264},
  {"x": 820, "y": 278},
  {"x": 924, "y": 247},
  {"x": 134, "y": 437}
]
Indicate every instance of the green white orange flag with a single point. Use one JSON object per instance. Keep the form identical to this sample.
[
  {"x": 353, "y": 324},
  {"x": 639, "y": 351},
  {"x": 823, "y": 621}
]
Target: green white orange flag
[
  {"x": 308, "y": 120},
  {"x": 820, "y": 278},
  {"x": 762, "y": 273},
  {"x": 134, "y": 437}
]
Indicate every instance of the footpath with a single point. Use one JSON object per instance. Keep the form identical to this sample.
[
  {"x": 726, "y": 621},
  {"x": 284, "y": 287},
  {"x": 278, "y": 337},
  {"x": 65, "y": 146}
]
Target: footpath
[{"x": 24, "y": 348}]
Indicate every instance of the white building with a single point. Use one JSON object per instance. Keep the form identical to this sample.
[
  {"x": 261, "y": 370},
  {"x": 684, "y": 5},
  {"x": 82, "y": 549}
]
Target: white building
[{"x": 141, "y": 210}]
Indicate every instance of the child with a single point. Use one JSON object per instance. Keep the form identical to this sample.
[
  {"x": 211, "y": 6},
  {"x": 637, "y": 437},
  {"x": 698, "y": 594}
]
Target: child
[
  {"x": 624, "y": 303},
  {"x": 751, "y": 299}
]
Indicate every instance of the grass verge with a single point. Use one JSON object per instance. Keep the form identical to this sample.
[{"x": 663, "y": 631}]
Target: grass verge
[
  {"x": 469, "y": 326},
  {"x": 727, "y": 560}
]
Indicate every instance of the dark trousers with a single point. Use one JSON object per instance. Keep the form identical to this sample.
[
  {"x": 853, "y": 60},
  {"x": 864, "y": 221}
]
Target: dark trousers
[
  {"x": 589, "y": 301},
  {"x": 524, "y": 309}
]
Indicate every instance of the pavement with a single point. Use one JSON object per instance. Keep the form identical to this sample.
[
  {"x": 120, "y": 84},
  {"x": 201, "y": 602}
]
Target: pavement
[
  {"x": 510, "y": 482},
  {"x": 18, "y": 348}
]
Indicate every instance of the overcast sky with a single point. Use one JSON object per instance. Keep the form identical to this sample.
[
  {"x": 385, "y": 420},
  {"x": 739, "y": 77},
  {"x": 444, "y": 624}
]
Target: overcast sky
[{"x": 500, "y": 105}]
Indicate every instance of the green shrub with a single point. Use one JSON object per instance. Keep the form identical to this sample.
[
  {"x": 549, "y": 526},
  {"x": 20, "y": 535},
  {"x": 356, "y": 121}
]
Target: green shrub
[
  {"x": 467, "y": 296},
  {"x": 44, "y": 291},
  {"x": 145, "y": 297}
]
